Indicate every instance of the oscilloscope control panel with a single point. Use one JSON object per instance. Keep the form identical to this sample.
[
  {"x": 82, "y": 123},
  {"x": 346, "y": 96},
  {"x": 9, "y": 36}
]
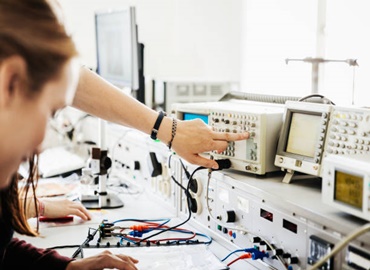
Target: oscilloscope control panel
[
  {"x": 348, "y": 132},
  {"x": 263, "y": 122}
]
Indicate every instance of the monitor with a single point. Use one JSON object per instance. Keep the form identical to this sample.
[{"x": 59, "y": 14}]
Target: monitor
[
  {"x": 302, "y": 138},
  {"x": 119, "y": 54}
]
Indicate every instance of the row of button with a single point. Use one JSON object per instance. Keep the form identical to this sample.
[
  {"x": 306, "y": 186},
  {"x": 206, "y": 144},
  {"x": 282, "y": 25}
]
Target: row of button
[
  {"x": 234, "y": 115},
  {"x": 346, "y": 136},
  {"x": 233, "y": 122},
  {"x": 348, "y": 116}
]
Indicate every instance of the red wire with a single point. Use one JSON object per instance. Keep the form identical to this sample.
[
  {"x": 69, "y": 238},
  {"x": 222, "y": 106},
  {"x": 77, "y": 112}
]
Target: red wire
[
  {"x": 241, "y": 257},
  {"x": 153, "y": 225}
]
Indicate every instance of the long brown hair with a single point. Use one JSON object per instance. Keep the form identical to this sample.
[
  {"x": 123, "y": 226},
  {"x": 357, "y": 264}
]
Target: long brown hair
[
  {"x": 31, "y": 29},
  {"x": 15, "y": 210}
]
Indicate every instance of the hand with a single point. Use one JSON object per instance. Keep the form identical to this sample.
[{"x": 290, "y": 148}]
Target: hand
[
  {"x": 104, "y": 260},
  {"x": 64, "y": 207},
  {"x": 195, "y": 137}
]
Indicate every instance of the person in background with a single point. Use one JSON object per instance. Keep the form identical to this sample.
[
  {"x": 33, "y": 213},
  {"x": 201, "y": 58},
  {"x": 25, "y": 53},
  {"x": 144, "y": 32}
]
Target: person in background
[{"x": 39, "y": 75}]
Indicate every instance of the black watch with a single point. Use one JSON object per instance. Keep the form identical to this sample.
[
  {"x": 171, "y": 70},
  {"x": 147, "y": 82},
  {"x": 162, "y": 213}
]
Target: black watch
[{"x": 157, "y": 123}]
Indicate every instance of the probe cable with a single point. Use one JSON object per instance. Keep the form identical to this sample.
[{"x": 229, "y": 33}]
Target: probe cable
[
  {"x": 188, "y": 197},
  {"x": 340, "y": 245},
  {"x": 241, "y": 257},
  {"x": 138, "y": 230},
  {"x": 90, "y": 236}
]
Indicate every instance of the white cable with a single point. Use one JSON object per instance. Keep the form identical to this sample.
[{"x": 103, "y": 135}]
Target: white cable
[
  {"x": 233, "y": 228},
  {"x": 340, "y": 245}
]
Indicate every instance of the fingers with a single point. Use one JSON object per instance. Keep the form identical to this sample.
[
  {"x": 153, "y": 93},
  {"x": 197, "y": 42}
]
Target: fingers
[
  {"x": 227, "y": 136},
  {"x": 205, "y": 162},
  {"x": 121, "y": 261},
  {"x": 79, "y": 210},
  {"x": 84, "y": 211},
  {"x": 79, "y": 213},
  {"x": 104, "y": 260},
  {"x": 126, "y": 258}
]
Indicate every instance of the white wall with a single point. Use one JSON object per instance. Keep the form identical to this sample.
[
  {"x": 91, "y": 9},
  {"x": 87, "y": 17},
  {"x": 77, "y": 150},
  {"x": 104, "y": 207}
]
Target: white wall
[{"x": 183, "y": 38}]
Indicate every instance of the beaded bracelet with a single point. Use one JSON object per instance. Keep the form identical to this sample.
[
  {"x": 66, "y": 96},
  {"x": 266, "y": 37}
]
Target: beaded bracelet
[{"x": 174, "y": 127}]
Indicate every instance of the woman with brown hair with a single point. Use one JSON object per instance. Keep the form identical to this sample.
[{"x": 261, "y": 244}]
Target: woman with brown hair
[{"x": 38, "y": 76}]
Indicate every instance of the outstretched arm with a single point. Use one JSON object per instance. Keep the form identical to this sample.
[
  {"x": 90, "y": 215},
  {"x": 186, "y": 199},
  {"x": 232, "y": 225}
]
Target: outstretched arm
[{"x": 98, "y": 97}]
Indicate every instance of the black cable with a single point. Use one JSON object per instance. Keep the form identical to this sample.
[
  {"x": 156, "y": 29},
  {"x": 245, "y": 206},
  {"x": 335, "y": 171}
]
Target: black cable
[
  {"x": 87, "y": 240},
  {"x": 62, "y": 247},
  {"x": 317, "y": 95},
  {"x": 188, "y": 198}
]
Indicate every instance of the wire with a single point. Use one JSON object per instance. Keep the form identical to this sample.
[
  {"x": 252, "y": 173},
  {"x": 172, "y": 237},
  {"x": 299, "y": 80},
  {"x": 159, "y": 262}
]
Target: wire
[
  {"x": 324, "y": 99},
  {"x": 340, "y": 245},
  {"x": 87, "y": 240},
  {"x": 242, "y": 257},
  {"x": 141, "y": 229},
  {"x": 188, "y": 197},
  {"x": 61, "y": 247},
  {"x": 233, "y": 228},
  {"x": 235, "y": 251}
]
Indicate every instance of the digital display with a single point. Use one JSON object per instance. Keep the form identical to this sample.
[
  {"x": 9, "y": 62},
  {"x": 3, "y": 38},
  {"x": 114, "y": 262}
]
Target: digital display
[
  {"x": 267, "y": 215},
  {"x": 192, "y": 116},
  {"x": 303, "y": 134},
  {"x": 348, "y": 189},
  {"x": 290, "y": 226}
]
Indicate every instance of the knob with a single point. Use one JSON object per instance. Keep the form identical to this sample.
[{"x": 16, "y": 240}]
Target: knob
[
  {"x": 256, "y": 239},
  {"x": 293, "y": 260},
  {"x": 106, "y": 163},
  {"x": 229, "y": 216},
  {"x": 135, "y": 165},
  {"x": 278, "y": 252}
]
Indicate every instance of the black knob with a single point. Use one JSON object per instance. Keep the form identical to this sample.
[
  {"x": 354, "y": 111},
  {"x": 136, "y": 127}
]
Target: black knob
[
  {"x": 106, "y": 163},
  {"x": 278, "y": 251},
  {"x": 286, "y": 255},
  {"x": 256, "y": 239},
  {"x": 230, "y": 216},
  {"x": 293, "y": 260},
  {"x": 136, "y": 165}
]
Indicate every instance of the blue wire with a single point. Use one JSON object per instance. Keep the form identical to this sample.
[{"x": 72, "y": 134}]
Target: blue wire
[
  {"x": 143, "y": 220},
  {"x": 127, "y": 239},
  {"x": 238, "y": 250},
  {"x": 158, "y": 228}
]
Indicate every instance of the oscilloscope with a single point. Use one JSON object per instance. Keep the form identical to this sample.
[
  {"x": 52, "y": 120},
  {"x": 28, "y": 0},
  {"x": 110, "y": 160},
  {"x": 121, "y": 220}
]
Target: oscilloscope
[
  {"x": 262, "y": 120},
  {"x": 302, "y": 139},
  {"x": 346, "y": 184}
]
